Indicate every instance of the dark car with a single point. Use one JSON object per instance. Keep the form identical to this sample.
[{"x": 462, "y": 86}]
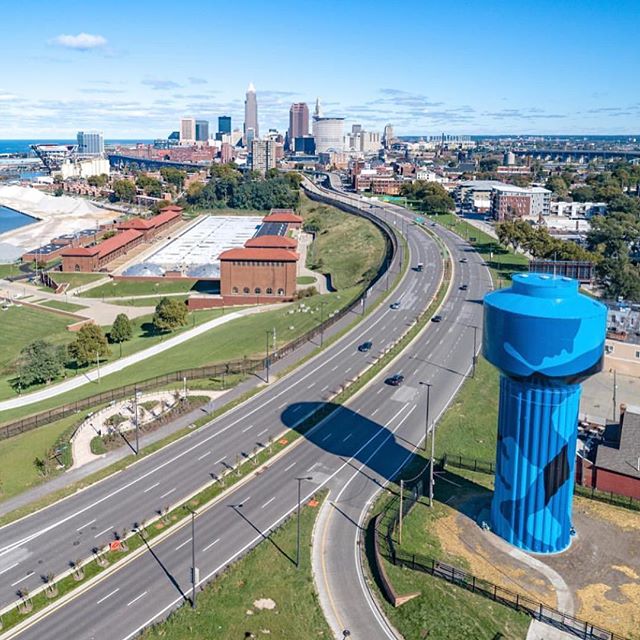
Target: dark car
[
  {"x": 395, "y": 305},
  {"x": 365, "y": 346},
  {"x": 395, "y": 380},
  {"x": 463, "y": 260},
  {"x": 436, "y": 319},
  {"x": 464, "y": 287}
]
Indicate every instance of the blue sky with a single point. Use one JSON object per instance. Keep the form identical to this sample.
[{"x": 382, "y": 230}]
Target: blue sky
[{"x": 132, "y": 69}]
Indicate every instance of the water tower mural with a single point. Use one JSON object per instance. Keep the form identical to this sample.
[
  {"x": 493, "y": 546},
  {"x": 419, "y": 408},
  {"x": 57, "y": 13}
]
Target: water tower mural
[{"x": 545, "y": 338}]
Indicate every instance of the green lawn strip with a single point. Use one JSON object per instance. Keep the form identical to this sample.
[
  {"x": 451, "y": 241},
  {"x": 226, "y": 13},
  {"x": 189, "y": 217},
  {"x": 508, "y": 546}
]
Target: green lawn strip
[
  {"x": 123, "y": 288},
  {"x": 144, "y": 302},
  {"x": 263, "y": 573},
  {"x": 75, "y": 280},
  {"x": 62, "y": 305},
  {"x": 305, "y": 279},
  {"x": 10, "y": 269}
]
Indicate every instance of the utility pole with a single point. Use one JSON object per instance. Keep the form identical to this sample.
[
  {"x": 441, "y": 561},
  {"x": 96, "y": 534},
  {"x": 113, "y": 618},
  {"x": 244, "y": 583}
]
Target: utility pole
[
  {"x": 322, "y": 303},
  {"x": 433, "y": 458},
  {"x": 267, "y": 358},
  {"x": 401, "y": 511},
  {"x": 137, "y": 393},
  {"x": 474, "y": 357},
  {"x": 615, "y": 392},
  {"x": 298, "y": 520},
  {"x": 426, "y": 417},
  {"x": 195, "y": 574}
]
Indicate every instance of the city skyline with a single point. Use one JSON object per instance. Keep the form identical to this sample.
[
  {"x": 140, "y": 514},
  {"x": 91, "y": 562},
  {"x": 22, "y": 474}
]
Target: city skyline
[{"x": 556, "y": 68}]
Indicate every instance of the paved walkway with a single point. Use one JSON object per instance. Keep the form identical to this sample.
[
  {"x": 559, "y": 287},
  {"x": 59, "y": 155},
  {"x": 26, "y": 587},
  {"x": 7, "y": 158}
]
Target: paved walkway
[
  {"x": 304, "y": 242},
  {"x": 91, "y": 376}
]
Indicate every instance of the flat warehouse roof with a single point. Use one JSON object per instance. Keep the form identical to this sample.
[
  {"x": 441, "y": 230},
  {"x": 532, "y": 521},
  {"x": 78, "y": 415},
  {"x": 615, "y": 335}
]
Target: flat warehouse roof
[{"x": 203, "y": 242}]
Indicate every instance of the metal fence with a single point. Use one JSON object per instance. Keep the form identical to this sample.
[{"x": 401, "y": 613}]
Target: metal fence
[
  {"x": 384, "y": 539},
  {"x": 473, "y": 464},
  {"x": 244, "y": 366}
]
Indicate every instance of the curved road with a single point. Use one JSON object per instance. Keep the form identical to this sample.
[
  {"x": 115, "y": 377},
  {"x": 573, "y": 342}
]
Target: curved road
[{"x": 49, "y": 539}]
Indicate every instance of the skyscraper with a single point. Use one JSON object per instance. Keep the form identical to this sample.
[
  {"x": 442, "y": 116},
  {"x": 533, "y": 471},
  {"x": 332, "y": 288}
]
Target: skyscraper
[
  {"x": 202, "y": 130},
  {"x": 251, "y": 131},
  {"x": 327, "y": 131},
  {"x": 387, "y": 136},
  {"x": 224, "y": 124},
  {"x": 187, "y": 130},
  {"x": 263, "y": 155},
  {"x": 90, "y": 143},
  {"x": 298, "y": 121}
]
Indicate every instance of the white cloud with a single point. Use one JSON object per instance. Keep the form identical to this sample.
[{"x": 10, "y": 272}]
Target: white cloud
[
  {"x": 80, "y": 42},
  {"x": 6, "y": 97}
]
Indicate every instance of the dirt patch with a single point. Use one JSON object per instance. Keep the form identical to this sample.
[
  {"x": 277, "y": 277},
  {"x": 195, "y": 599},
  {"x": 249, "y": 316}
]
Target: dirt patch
[{"x": 264, "y": 603}]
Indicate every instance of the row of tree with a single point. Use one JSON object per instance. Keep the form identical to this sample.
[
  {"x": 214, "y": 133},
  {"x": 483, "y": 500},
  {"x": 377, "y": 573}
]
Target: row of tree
[
  {"x": 228, "y": 187},
  {"x": 430, "y": 197},
  {"x": 40, "y": 362}
]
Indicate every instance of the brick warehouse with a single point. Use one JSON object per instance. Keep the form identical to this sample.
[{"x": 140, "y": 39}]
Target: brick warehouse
[{"x": 87, "y": 259}]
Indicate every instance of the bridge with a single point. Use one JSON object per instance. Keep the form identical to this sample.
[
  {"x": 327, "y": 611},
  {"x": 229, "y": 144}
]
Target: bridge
[
  {"x": 576, "y": 154},
  {"x": 118, "y": 160}
]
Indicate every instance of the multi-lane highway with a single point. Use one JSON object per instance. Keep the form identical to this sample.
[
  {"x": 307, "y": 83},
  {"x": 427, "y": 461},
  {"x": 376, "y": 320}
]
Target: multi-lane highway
[{"x": 49, "y": 540}]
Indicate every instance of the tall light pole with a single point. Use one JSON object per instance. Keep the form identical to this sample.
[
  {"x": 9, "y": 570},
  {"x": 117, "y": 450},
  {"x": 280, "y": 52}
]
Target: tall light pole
[
  {"x": 426, "y": 415},
  {"x": 433, "y": 443},
  {"x": 98, "y": 364},
  {"x": 298, "y": 519},
  {"x": 322, "y": 303},
  {"x": 136, "y": 397},
  {"x": 474, "y": 358},
  {"x": 267, "y": 358},
  {"x": 194, "y": 570}
]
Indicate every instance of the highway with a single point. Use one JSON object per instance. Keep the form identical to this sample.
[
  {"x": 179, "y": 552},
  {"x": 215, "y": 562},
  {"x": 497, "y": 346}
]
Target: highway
[{"x": 52, "y": 538}]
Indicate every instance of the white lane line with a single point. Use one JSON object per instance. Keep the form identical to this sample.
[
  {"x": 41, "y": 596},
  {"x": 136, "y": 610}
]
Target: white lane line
[
  {"x": 313, "y": 384},
  {"x": 204, "y": 455},
  {"x": 245, "y": 500},
  {"x": 221, "y": 459},
  {"x": 334, "y": 368},
  {"x": 108, "y": 595},
  {"x": 247, "y": 428},
  {"x": 373, "y": 413},
  {"x": 347, "y": 437},
  {"x": 182, "y": 544},
  {"x": 289, "y": 467},
  {"x": 13, "y": 566},
  {"x": 86, "y": 525},
  {"x": 284, "y": 404},
  {"x": 103, "y": 532},
  {"x": 264, "y": 431},
  {"x": 327, "y": 436},
  {"x": 211, "y": 545},
  {"x": 142, "y": 595},
  {"x": 380, "y": 390},
  {"x": 268, "y": 502},
  {"x": 164, "y": 495},
  {"x": 153, "y": 486},
  {"x": 13, "y": 584},
  {"x": 347, "y": 370},
  {"x": 324, "y": 388}
]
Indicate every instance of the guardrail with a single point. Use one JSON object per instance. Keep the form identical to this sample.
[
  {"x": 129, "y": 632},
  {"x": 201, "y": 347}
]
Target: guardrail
[{"x": 244, "y": 366}]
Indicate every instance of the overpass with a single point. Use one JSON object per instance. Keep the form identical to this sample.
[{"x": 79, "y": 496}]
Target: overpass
[
  {"x": 576, "y": 154},
  {"x": 118, "y": 160}
]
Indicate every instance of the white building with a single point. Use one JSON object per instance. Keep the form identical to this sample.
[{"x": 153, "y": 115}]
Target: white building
[
  {"x": 577, "y": 210},
  {"x": 360, "y": 141},
  {"x": 83, "y": 168},
  {"x": 187, "y": 131},
  {"x": 328, "y": 132},
  {"x": 427, "y": 175}
]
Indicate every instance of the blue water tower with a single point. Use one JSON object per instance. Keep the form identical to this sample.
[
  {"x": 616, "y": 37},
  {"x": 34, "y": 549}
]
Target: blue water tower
[{"x": 545, "y": 338}]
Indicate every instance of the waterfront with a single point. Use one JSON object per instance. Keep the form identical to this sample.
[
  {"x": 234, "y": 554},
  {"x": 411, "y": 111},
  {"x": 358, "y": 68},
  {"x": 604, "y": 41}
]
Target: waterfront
[{"x": 11, "y": 219}]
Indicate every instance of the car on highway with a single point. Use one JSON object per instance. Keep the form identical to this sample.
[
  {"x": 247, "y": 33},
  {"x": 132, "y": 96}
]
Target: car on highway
[
  {"x": 365, "y": 346},
  {"x": 395, "y": 380},
  {"x": 419, "y": 267},
  {"x": 463, "y": 260},
  {"x": 464, "y": 287},
  {"x": 394, "y": 305},
  {"x": 436, "y": 319}
]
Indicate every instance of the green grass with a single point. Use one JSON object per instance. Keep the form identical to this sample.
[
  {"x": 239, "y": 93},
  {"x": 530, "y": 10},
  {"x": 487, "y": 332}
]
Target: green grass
[
  {"x": 305, "y": 279},
  {"x": 76, "y": 279},
  {"x": 264, "y": 573},
  {"x": 9, "y": 269},
  {"x": 145, "y": 302},
  {"x": 17, "y": 471},
  {"x": 348, "y": 247},
  {"x": 62, "y": 305},
  {"x": 123, "y": 288}
]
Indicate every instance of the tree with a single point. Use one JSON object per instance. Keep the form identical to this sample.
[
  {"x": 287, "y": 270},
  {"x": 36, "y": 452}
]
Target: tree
[
  {"x": 431, "y": 196},
  {"x": 558, "y": 185},
  {"x": 123, "y": 190},
  {"x": 489, "y": 165},
  {"x": 39, "y": 362},
  {"x": 170, "y": 314},
  {"x": 98, "y": 181},
  {"x": 89, "y": 344},
  {"x": 151, "y": 186},
  {"x": 121, "y": 330},
  {"x": 173, "y": 176}
]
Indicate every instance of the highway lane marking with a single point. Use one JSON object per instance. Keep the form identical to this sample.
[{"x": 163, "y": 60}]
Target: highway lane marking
[
  {"x": 284, "y": 404},
  {"x": 245, "y": 500},
  {"x": 86, "y": 525},
  {"x": 326, "y": 437},
  {"x": 221, "y": 459},
  {"x": 334, "y": 368},
  {"x": 142, "y": 595},
  {"x": 164, "y": 495},
  {"x": 153, "y": 486},
  {"x": 289, "y": 467},
  {"x": 373, "y": 413},
  {"x": 182, "y": 544},
  {"x": 31, "y": 573},
  {"x": 379, "y": 391},
  {"x": 324, "y": 388},
  {"x": 204, "y": 455},
  {"x": 313, "y": 384},
  {"x": 347, "y": 437},
  {"x": 264, "y": 431},
  {"x": 268, "y": 502},
  {"x": 247, "y": 428},
  {"x": 13, "y": 566},
  {"x": 104, "y": 531},
  {"x": 211, "y": 544},
  {"x": 108, "y": 595}
]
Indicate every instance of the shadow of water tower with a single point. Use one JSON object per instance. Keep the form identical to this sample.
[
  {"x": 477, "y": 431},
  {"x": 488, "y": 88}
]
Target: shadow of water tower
[{"x": 545, "y": 338}]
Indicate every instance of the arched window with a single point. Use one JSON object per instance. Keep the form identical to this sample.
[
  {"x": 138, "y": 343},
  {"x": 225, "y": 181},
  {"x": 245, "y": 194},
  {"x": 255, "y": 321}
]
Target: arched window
[
  {"x": 257, "y": 290},
  {"x": 269, "y": 291},
  {"x": 246, "y": 290},
  {"x": 77, "y": 267},
  {"x": 280, "y": 292},
  {"x": 234, "y": 290}
]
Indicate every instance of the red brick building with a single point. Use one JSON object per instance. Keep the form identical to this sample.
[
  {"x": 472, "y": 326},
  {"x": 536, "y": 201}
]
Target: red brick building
[
  {"x": 150, "y": 227},
  {"x": 265, "y": 272},
  {"x": 284, "y": 216},
  {"x": 87, "y": 259},
  {"x": 272, "y": 242}
]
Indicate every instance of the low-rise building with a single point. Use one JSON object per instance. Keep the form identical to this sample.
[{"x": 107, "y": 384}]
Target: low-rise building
[{"x": 96, "y": 257}]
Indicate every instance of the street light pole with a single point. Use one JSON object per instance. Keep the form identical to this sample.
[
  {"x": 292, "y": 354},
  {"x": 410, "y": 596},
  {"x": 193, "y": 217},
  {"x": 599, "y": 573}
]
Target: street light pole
[
  {"x": 98, "y": 364},
  {"x": 433, "y": 442},
  {"x": 474, "y": 358},
  {"x": 298, "y": 520},
  {"x": 426, "y": 417},
  {"x": 322, "y": 303},
  {"x": 267, "y": 358},
  {"x": 194, "y": 569}
]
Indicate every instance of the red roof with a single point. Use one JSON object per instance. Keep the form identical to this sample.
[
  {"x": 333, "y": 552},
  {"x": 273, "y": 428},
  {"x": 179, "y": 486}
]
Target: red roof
[
  {"x": 116, "y": 242},
  {"x": 172, "y": 207},
  {"x": 269, "y": 255},
  {"x": 136, "y": 223},
  {"x": 79, "y": 252},
  {"x": 272, "y": 242},
  {"x": 168, "y": 214},
  {"x": 286, "y": 217}
]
